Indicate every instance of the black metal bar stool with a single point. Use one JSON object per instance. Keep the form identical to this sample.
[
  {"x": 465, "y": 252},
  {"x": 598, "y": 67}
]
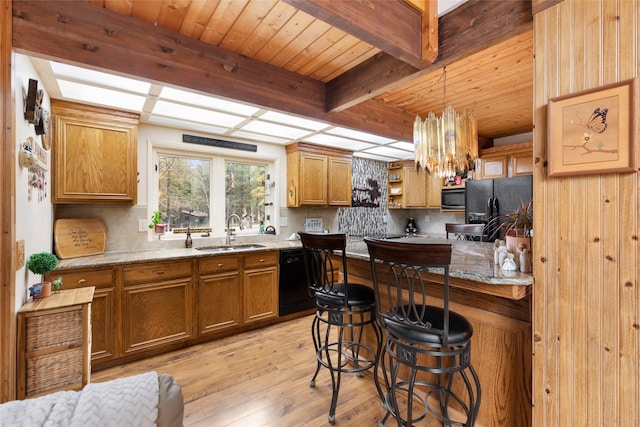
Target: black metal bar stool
[
  {"x": 426, "y": 359},
  {"x": 465, "y": 231},
  {"x": 343, "y": 311}
]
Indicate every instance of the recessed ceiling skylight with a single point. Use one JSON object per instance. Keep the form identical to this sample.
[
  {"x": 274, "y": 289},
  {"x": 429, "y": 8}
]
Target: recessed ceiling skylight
[
  {"x": 99, "y": 78},
  {"x": 355, "y": 134},
  {"x": 214, "y": 103},
  {"x": 170, "y": 109},
  {"x": 100, "y": 96},
  {"x": 290, "y": 120},
  {"x": 281, "y": 131},
  {"x": 336, "y": 141}
]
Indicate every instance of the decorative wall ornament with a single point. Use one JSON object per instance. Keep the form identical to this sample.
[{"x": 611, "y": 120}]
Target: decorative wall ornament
[{"x": 594, "y": 131}]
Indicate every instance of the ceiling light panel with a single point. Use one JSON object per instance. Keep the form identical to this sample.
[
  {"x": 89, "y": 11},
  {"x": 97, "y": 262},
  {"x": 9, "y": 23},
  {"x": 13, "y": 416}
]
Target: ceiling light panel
[
  {"x": 365, "y": 155},
  {"x": 281, "y": 131},
  {"x": 185, "y": 112},
  {"x": 214, "y": 103},
  {"x": 390, "y": 152},
  {"x": 336, "y": 141},
  {"x": 289, "y": 120},
  {"x": 181, "y": 124},
  {"x": 363, "y": 136},
  {"x": 99, "y": 78},
  {"x": 100, "y": 96},
  {"x": 259, "y": 137},
  {"x": 403, "y": 146}
]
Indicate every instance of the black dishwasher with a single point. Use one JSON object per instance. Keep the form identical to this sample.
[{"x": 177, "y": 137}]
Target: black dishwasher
[{"x": 293, "y": 293}]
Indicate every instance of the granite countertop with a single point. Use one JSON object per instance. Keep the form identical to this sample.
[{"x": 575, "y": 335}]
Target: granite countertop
[
  {"x": 470, "y": 260},
  {"x": 115, "y": 258}
]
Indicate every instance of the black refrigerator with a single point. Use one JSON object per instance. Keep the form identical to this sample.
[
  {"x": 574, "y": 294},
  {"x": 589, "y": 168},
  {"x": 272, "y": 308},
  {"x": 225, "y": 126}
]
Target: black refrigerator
[{"x": 485, "y": 198}]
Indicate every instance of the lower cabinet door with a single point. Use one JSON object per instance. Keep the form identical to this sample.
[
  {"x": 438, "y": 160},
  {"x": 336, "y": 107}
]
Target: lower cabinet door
[
  {"x": 156, "y": 314},
  {"x": 260, "y": 294},
  {"x": 219, "y": 302}
]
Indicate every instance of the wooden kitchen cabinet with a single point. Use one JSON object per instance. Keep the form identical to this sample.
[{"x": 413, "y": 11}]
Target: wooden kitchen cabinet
[
  {"x": 94, "y": 155},
  {"x": 54, "y": 343},
  {"x": 219, "y": 294},
  {"x": 157, "y": 304},
  {"x": 434, "y": 188},
  {"x": 408, "y": 187},
  {"x": 415, "y": 186},
  {"x": 506, "y": 161},
  {"x": 105, "y": 318},
  {"x": 260, "y": 286},
  {"x": 318, "y": 176}
]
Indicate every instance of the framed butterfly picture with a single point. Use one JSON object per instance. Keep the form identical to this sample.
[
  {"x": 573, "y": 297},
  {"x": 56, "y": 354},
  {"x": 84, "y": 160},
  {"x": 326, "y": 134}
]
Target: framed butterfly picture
[{"x": 594, "y": 131}]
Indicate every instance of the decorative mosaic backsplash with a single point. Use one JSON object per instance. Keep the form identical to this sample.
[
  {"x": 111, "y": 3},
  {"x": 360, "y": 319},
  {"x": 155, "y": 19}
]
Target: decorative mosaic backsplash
[{"x": 366, "y": 217}]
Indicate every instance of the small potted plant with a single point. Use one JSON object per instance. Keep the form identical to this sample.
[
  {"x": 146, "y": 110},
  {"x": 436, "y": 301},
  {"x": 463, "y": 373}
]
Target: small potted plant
[
  {"x": 156, "y": 223},
  {"x": 41, "y": 263},
  {"x": 515, "y": 226}
]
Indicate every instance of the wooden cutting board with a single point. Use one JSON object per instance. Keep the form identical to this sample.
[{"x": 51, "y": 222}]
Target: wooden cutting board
[{"x": 79, "y": 237}]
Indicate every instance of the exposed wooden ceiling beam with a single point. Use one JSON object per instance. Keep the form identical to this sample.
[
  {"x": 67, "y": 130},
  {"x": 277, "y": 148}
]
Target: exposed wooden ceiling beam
[
  {"x": 86, "y": 34},
  {"x": 392, "y": 26},
  {"x": 468, "y": 29}
]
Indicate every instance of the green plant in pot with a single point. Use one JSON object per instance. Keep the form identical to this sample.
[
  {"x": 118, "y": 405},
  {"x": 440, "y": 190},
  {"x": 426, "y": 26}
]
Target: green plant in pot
[
  {"x": 156, "y": 223},
  {"x": 515, "y": 227},
  {"x": 41, "y": 263}
]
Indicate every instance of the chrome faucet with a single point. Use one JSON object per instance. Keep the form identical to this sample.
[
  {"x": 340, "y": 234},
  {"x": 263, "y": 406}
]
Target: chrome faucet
[{"x": 231, "y": 232}]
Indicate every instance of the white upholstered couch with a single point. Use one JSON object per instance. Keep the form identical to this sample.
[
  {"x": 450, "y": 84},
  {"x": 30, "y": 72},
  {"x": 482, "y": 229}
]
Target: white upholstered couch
[{"x": 141, "y": 400}]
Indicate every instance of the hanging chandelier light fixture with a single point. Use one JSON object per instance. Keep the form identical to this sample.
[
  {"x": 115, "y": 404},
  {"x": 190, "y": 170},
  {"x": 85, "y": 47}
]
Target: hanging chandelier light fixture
[{"x": 446, "y": 145}]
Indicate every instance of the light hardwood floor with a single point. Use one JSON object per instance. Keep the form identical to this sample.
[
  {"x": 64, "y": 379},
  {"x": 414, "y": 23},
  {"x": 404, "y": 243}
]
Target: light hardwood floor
[{"x": 259, "y": 378}]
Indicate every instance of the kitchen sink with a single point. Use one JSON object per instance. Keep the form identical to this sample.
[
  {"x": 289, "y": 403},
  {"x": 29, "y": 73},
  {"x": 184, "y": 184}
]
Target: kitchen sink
[{"x": 230, "y": 248}]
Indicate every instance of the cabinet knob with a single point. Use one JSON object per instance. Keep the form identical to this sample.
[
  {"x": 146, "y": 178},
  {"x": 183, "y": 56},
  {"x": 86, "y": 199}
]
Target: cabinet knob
[
  {"x": 220, "y": 265},
  {"x": 160, "y": 272},
  {"x": 81, "y": 281},
  {"x": 261, "y": 260}
]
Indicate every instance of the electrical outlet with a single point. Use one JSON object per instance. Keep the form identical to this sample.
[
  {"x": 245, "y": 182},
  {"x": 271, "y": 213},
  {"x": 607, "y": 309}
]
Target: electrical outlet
[
  {"x": 19, "y": 254},
  {"x": 142, "y": 225},
  {"x": 283, "y": 221},
  {"x": 426, "y": 218}
]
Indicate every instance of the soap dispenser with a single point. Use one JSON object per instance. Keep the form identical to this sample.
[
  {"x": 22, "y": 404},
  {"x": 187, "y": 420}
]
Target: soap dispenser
[{"x": 188, "y": 242}]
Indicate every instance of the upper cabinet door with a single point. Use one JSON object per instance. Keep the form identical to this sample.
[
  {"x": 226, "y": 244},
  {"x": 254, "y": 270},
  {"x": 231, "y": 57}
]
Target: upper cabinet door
[
  {"x": 313, "y": 179},
  {"x": 339, "y": 182},
  {"x": 94, "y": 155}
]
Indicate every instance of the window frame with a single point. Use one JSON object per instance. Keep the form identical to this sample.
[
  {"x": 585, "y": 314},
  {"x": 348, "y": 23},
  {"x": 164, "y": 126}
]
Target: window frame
[{"x": 217, "y": 157}]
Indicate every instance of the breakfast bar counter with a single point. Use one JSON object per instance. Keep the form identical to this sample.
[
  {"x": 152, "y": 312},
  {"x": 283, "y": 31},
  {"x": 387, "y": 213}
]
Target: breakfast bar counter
[{"x": 497, "y": 304}]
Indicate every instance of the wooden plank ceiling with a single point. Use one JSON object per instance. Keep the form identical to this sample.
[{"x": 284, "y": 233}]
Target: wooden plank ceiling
[{"x": 489, "y": 67}]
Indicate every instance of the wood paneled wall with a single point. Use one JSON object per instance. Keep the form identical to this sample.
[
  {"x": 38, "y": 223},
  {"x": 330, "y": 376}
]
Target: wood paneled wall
[
  {"x": 586, "y": 315},
  {"x": 7, "y": 212}
]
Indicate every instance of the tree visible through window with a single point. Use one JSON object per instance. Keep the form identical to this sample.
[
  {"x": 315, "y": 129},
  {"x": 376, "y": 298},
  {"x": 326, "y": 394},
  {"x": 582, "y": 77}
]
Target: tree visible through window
[
  {"x": 184, "y": 191},
  {"x": 244, "y": 193}
]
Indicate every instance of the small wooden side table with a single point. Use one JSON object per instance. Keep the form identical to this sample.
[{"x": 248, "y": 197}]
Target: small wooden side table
[{"x": 54, "y": 343}]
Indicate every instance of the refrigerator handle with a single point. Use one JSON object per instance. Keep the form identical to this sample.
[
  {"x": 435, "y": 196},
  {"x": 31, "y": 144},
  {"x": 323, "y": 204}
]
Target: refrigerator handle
[
  {"x": 496, "y": 206},
  {"x": 490, "y": 206}
]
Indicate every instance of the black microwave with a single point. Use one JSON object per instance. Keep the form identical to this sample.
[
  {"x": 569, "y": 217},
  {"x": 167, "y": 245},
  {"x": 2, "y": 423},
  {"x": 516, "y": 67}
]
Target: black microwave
[{"x": 452, "y": 199}]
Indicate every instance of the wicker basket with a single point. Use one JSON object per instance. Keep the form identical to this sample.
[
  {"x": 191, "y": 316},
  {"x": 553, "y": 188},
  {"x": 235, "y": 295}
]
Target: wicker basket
[
  {"x": 54, "y": 371},
  {"x": 54, "y": 330}
]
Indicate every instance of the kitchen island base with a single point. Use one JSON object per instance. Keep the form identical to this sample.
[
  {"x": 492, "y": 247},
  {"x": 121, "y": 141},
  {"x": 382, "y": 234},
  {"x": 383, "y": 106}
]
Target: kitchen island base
[{"x": 500, "y": 347}]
